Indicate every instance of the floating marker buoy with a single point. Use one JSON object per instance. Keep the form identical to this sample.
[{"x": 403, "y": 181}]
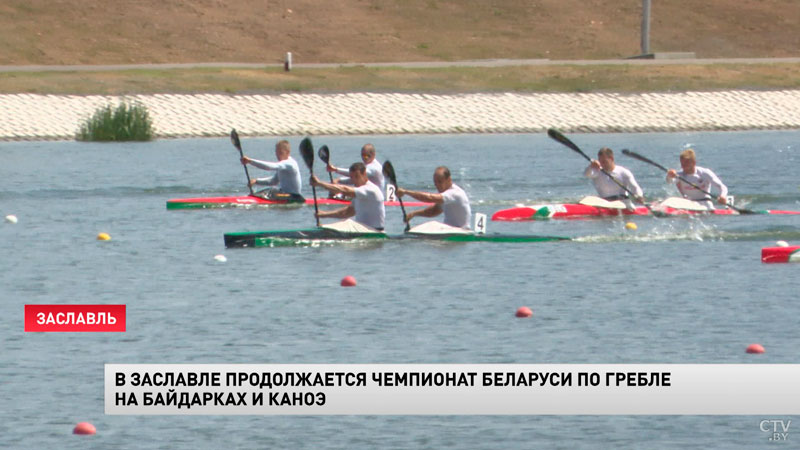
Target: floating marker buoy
[
  {"x": 630, "y": 226},
  {"x": 84, "y": 428},
  {"x": 11, "y": 218},
  {"x": 103, "y": 237},
  {"x": 755, "y": 348},
  {"x": 524, "y": 311},
  {"x": 348, "y": 281},
  {"x": 220, "y": 258},
  {"x": 782, "y": 244}
]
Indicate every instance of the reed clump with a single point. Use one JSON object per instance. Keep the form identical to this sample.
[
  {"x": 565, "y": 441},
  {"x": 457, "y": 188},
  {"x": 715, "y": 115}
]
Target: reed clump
[{"x": 125, "y": 122}]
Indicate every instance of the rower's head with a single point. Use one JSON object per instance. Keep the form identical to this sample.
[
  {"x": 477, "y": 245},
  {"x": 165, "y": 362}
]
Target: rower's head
[
  {"x": 688, "y": 161},
  {"x": 282, "y": 150},
  {"x": 441, "y": 178},
  {"x": 368, "y": 153},
  {"x": 605, "y": 156},
  {"x": 358, "y": 173}
]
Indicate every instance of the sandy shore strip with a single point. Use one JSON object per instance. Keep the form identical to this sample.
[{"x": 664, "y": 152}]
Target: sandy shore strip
[{"x": 57, "y": 117}]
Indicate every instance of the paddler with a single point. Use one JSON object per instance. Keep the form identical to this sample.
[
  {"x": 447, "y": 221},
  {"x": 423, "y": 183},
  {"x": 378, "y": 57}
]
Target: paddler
[
  {"x": 607, "y": 188},
  {"x": 286, "y": 177},
  {"x": 367, "y": 204},
  {"x": 700, "y": 177},
  {"x": 450, "y": 200},
  {"x": 374, "y": 168}
]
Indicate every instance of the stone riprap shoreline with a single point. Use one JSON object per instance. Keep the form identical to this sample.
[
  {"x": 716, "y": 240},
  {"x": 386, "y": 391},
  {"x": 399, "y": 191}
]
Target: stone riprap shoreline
[{"x": 57, "y": 117}]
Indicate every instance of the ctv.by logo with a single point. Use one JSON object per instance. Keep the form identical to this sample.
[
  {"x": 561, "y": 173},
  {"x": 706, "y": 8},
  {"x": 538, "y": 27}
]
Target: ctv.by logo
[{"x": 778, "y": 428}]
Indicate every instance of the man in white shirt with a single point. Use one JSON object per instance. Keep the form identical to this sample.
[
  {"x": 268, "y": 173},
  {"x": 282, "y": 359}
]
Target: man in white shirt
[
  {"x": 374, "y": 168},
  {"x": 367, "y": 198},
  {"x": 701, "y": 177},
  {"x": 286, "y": 177},
  {"x": 450, "y": 200},
  {"x": 607, "y": 188}
]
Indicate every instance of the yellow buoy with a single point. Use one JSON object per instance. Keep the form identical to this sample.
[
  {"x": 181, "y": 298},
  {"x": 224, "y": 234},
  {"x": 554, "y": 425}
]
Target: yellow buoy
[
  {"x": 103, "y": 237},
  {"x": 630, "y": 226}
]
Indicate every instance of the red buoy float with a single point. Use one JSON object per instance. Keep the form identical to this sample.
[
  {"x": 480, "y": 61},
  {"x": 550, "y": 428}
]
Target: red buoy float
[
  {"x": 755, "y": 348},
  {"x": 524, "y": 311},
  {"x": 84, "y": 428}
]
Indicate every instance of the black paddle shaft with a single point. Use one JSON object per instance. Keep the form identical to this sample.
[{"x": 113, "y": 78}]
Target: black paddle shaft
[
  {"x": 388, "y": 170},
  {"x": 238, "y": 145},
  {"x": 307, "y": 151}
]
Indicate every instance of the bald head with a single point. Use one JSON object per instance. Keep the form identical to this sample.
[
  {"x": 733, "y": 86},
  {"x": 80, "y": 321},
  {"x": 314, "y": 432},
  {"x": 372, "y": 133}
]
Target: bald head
[
  {"x": 441, "y": 178},
  {"x": 368, "y": 153}
]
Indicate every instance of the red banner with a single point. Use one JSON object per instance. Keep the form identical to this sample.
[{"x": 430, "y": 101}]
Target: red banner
[{"x": 75, "y": 318}]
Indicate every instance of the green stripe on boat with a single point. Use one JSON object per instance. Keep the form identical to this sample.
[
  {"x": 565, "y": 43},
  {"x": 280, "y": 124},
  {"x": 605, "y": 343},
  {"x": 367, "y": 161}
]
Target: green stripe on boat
[{"x": 314, "y": 236}]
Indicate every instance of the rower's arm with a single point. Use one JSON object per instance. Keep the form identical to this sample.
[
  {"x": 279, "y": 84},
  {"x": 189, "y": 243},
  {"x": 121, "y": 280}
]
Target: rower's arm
[
  {"x": 341, "y": 213},
  {"x": 429, "y": 211},
  {"x": 592, "y": 170},
  {"x": 349, "y": 191},
  {"x": 263, "y": 164},
  {"x": 267, "y": 181},
  {"x": 428, "y": 197}
]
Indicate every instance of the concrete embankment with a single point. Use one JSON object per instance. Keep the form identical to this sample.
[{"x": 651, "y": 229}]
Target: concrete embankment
[{"x": 55, "y": 117}]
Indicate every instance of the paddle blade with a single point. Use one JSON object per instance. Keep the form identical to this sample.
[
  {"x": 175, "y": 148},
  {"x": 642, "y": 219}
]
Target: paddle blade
[
  {"x": 388, "y": 171},
  {"x": 557, "y": 136},
  {"x": 324, "y": 154},
  {"x": 307, "y": 150},
  {"x": 235, "y": 139}
]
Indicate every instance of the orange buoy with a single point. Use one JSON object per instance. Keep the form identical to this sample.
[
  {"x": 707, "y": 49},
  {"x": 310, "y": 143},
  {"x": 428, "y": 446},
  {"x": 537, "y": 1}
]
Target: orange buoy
[
  {"x": 348, "y": 281},
  {"x": 524, "y": 311},
  {"x": 755, "y": 348},
  {"x": 84, "y": 428}
]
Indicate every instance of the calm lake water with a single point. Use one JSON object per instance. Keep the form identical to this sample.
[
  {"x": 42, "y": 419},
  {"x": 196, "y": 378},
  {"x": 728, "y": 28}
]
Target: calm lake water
[{"x": 674, "y": 291}]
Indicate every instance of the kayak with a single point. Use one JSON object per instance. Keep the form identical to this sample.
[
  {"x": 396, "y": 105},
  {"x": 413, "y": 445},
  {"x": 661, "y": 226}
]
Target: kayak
[
  {"x": 251, "y": 200},
  {"x": 579, "y": 211},
  {"x": 313, "y": 236},
  {"x": 780, "y": 254}
]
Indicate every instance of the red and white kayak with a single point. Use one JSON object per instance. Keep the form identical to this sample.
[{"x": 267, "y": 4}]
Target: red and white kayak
[
  {"x": 251, "y": 200},
  {"x": 784, "y": 254},
  {"x": 582, "y": 211},
  {"x": 578, "y": 211}
]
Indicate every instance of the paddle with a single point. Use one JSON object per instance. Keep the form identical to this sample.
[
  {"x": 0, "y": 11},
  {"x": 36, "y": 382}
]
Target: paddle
[
  {"x": 650, "y": 161},
  {"x": 556, "y": 135},
  {"x": 325, "y": 156},
  {"x": 307, "y": 150},
  {"x": 238, "y": 145},
  {"x": 388, "y": 170}
]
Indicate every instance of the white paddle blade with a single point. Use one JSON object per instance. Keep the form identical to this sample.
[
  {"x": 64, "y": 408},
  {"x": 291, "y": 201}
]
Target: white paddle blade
[
  {"x": 480, "y": 223},
  {"x": 683, "y": 203},
  {"x": 598, "y": 202}
]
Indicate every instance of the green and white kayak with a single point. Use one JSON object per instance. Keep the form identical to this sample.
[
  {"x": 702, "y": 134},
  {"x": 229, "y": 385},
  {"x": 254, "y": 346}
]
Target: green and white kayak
[{"x": 337, "y": 233}]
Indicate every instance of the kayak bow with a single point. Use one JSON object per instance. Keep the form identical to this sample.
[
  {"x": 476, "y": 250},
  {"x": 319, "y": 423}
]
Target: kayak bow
[{"x": 780, "y": 254}]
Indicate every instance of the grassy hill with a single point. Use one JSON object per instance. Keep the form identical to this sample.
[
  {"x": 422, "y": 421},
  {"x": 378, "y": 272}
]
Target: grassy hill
[{"x": 178, "y": 31}]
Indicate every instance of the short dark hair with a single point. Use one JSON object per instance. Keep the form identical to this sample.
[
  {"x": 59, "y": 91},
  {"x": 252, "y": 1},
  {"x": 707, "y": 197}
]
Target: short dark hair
[
  {"x": 358, "y": 167},
  {"x": 605, "y": 151}
]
